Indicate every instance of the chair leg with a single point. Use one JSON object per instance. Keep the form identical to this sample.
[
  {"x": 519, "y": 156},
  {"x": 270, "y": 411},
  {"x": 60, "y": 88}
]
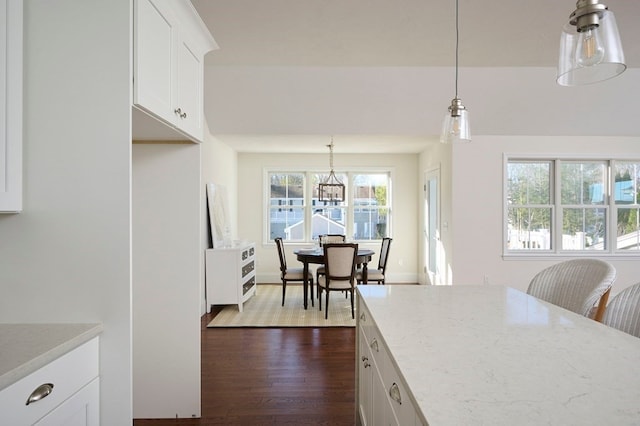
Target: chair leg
[
  {"x": 326, "y": 307},
  {"x": 319, "y": 297},
  {"x": 353, "y": 312},
  {"x": 311, "y": 290},
  {"x": 284, "y": 289}
]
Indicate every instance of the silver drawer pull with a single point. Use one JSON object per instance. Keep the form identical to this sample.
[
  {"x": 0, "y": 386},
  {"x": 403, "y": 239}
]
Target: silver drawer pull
[
  {"x": 374, "y": 345},
  {"x": 41, "y": 392},
  {"x": 394, "y": 393},
  {"x": 362, "y": 317}
]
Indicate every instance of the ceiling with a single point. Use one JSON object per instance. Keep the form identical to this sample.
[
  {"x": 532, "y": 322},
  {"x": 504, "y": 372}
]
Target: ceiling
[{"x": 377, "y": 34}]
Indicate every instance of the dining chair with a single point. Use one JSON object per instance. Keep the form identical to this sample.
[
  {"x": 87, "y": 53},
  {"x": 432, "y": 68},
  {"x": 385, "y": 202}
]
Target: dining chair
[
  {"x": 623, "y": 312},
  {"x": 290, "y": 274},
  {"x": 377, "y": 275},
  {"x": 328, "y": 239},
  {"x": 340, "y": 271},
  {"x": 577, "y": 285}
]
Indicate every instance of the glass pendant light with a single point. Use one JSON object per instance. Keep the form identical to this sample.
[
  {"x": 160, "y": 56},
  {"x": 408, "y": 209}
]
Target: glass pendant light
[
  {"x": 590, "y": 47},
  {"x": 456, "y": 123}
]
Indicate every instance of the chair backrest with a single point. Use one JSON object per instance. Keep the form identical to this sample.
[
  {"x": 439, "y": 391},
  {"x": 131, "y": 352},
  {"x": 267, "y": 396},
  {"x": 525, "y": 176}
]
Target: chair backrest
[
  {"x": 576, "y": 285},
  {"x": 384, "y": 254},
  {"x": 623, "y": 312},
  {"x": 340, "y": 262},
  {"x": 331, "y": 239},
  {"x": 283, "y": 260}
]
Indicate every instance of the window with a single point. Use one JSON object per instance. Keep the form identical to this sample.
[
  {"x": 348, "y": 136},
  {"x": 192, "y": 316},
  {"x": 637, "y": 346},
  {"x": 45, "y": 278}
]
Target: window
[
  {"x": 567, "y": 206},
  {"x": 295, "y": 213}
]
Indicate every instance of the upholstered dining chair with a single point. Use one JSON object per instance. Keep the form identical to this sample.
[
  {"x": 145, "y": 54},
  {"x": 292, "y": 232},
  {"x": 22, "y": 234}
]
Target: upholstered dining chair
[
  {"x": 340, "y": 271},
  {"x": 623, "y": 312},
  {"x": 328, "y": 239},
  {"x": 290, "y": 274},
  {"x": 377, "y": 275},
  {"x": 577, "y": 285}
]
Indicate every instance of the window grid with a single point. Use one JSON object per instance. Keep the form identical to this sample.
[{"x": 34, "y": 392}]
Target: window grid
[
  {"x": 593, "y": 207},
  {"x": 364, "y": 216}
]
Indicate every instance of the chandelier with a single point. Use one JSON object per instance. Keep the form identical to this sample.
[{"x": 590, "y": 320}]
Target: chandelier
[{"x": 332, "y": 189}]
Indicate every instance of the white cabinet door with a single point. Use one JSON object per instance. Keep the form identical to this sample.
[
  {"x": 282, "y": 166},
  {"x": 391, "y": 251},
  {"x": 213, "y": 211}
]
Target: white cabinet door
[
  {"x": 189, "y": 92},
  {"x": 81, "y": 409},
  {"x": 365, "y": 368},
  {"x": 11, "y": 12},
  {"x": 153, "y": 61}
]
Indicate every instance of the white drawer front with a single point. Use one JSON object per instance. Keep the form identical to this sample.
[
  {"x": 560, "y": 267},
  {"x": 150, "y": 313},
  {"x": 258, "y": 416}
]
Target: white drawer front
[{"x": 68, "y": 374}]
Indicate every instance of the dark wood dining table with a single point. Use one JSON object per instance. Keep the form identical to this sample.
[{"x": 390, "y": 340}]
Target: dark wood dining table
[{"x": 316, "y": 256}]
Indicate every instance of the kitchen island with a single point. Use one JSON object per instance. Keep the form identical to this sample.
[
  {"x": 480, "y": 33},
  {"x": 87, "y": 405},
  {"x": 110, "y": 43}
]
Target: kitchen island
[{"x": 489, "y": 355}]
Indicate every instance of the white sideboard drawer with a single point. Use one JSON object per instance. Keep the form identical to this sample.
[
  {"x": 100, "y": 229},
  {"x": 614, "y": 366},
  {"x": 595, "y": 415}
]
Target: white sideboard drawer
[{"x": 68, "y": 374}]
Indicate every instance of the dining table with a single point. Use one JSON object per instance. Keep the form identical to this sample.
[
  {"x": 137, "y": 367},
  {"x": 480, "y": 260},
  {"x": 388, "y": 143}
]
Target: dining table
[{"x": 315, "y": 256}]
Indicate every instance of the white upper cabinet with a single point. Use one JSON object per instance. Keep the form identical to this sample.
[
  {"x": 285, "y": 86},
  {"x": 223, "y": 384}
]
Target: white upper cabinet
[
  {"x": 10, "y": 106},
  {"x": 170, "y": 41}
]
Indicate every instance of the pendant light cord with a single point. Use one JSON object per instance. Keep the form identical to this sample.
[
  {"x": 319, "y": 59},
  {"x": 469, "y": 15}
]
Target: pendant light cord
[{"x": 457, "y": 42}]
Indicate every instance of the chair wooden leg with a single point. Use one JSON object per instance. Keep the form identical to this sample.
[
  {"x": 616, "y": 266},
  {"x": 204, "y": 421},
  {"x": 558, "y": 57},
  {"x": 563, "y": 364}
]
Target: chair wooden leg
[
  {"x": 326, "y": 307},
  {"x": 602, "y": 306},
  {"x": 284, "y": 289},
  {"x": 311, "y": 290},
  {"x": 353, "y": 312},
  {"x": 320, "y": 297}
]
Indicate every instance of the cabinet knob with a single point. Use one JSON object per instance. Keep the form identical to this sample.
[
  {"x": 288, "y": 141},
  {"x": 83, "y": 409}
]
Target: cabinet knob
[
  {"x": 365, "y": 360},
  {"x": 180, "y": 113},
  {"x": 41, "y": 391}
]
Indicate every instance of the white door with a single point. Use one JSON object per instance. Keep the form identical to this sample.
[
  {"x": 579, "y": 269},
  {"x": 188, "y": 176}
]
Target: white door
[{"x": 431, "y": 225}]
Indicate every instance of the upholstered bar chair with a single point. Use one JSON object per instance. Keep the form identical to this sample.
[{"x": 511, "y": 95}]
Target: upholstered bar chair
[
  {"x": 340, "y": 271},
  {"x": 377, "y": 275},
  {"x": 623, "y": 312},
  {"x": 578, "y": 285},
  {"x": 328, "y": 239},
  {"x": 290, "y": 274}
]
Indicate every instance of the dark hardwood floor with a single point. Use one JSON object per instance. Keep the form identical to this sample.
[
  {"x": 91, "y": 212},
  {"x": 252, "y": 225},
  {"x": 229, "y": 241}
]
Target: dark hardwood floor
[{"x": 274, "y": 376}]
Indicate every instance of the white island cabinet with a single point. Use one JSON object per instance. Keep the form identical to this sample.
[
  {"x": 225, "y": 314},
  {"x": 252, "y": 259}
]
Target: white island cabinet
[
  {"x": 49, "y": 375},
  {"x": 11, "y": 12},
  {"x": 170, "y": 41},
  {"x": 488, "y": 355},
  {"x": 230, "y": 275}
]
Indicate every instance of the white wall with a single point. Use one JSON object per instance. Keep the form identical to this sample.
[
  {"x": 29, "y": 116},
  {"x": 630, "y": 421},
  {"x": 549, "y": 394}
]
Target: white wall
[
  {"x": 477, "y": 205},
  {"x": 167, "y": 269},
  {"x": 66, "y": 257},
  {"x": 403, "y": 255},
  {"x": 219, "y": 165}
]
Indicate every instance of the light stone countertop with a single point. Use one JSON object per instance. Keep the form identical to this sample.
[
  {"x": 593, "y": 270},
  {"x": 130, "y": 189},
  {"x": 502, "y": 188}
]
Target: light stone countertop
[
  {"x": 492, "y": 355},
  {"x": 24, "y": 348}
]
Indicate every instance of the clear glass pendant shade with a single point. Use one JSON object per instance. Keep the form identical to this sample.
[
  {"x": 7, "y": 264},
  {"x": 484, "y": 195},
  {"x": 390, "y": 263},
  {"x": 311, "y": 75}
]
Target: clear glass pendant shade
[
  {"x": 591, "y": 55},
  {"x": 455, "y": 127}
]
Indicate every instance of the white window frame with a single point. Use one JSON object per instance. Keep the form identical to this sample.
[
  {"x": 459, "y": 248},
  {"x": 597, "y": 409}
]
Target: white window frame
[
  {"x": 609, "y": 206},
  {"x": 308, "y": 190}
]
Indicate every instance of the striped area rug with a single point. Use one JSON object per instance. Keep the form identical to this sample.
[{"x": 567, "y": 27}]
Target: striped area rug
[{"x": 264, "y": 310}]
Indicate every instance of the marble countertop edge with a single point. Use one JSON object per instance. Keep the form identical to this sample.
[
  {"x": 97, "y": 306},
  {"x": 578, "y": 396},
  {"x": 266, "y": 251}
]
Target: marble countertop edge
[{"x": 25, "y": 348}]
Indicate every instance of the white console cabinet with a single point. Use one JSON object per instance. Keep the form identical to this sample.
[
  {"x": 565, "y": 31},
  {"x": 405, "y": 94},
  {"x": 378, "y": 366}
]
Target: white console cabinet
[
  {"x": 230, "y": 275},
  {"x": 65, "y": 392},
  {"x": 11, "y": 12},
  {"x": 170, "y": 41},
  {"x": 382, "y": 396}
]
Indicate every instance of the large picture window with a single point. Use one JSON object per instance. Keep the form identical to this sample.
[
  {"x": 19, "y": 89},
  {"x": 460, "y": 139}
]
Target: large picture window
[
  {"x": 571, "y": 206},
  {"x": 295, "y": 213}
]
